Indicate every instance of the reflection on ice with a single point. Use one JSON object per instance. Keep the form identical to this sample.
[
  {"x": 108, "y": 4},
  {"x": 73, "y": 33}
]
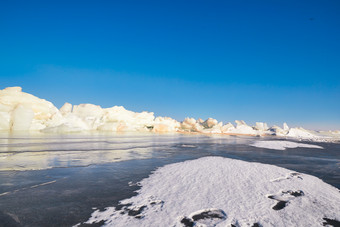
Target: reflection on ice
[
  {"x": 50, "y": 151},
  {"x": 44, "y": 153},
  {"x": 53, "y": 151}
]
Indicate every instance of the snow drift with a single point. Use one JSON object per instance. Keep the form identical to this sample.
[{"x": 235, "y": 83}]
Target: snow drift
[
  {"x": 215, "y": 191},
  {"x": 282, "y": 145},
  {"x": 20, "y": 111}
]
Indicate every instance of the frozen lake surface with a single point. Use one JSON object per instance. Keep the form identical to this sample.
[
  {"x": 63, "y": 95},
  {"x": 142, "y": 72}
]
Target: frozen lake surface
[{"x": 60, "y": 180}]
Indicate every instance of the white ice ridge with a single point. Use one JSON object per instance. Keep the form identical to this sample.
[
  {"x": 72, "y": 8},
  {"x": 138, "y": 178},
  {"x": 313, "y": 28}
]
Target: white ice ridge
[
  {"x": 20, "y": 111},
  {"x": 216, "y": 191},
  {"x": 282, "y": 144}
]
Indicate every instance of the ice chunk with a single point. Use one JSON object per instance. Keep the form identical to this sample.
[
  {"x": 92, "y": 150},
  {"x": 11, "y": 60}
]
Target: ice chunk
[
  {"x": 132, "y": 121},
  {"x": 22, "y": 117},
  {"x": 11, "y": 98},
  {"x": 90, "y": 114},
  {"x": 66, "y": 108},
  {"x": 243, "y": 129},
  {"x": 240, "y": 123},
  {"x": 13, "y": 89},
  {"x": 229, "y": 127},
  {"x": 5, "y": 117},
  {"x": 301, "y": 133},
  {"x": 188, "y": 124},
  {"x": 261, "y": 126},
  {"x": 215, "y": 128},
  {"x": 209, "y": 123},
  {"x": 87, "y": 111},
  {"x": 278, "y": 131},
  {"x": 285, "y": 127},
  {"x": 191, "y": 125},
  {"x": 165, "y": 124},
  {"x": 335, "y": 132}
]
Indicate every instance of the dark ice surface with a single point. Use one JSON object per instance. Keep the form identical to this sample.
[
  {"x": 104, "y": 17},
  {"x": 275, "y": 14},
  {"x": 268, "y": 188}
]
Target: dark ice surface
[{"x": 59, "y": 180}]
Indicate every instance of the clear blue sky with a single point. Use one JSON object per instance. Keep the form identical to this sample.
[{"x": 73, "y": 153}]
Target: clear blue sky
[{"x": 272, "y": 61}]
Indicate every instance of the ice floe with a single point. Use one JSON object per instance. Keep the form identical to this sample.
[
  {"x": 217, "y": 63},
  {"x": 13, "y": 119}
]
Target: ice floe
[
  {"x": 282, "y": 144},
  {"x": 20, "y": 111},
  {"x": 216, "y": 191}
]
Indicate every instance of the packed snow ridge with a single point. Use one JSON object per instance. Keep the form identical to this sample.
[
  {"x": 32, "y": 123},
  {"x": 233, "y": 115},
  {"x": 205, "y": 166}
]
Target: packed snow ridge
[
  {"x": 20, "y": 111},
  {"x": 282, "y": 144},
  {"x": 216, "y": 191}
]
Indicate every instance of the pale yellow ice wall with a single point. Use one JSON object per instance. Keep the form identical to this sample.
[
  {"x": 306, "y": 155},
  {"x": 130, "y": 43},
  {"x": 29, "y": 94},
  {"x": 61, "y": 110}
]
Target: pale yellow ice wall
[{"x": 23, "y": 112}]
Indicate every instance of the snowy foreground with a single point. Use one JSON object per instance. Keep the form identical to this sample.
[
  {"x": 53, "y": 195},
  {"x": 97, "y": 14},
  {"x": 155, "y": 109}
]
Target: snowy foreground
[
  {"x": 20, "y": 111},
  {"x": 215, "y": 191}
]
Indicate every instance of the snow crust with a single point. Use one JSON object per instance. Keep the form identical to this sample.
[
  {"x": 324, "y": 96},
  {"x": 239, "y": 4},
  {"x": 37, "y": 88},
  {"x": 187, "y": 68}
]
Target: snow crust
[
  {"x": 216, "y": 191},
  {"x": 282, "y": 144},
  {"x": 20, "y": 111}
]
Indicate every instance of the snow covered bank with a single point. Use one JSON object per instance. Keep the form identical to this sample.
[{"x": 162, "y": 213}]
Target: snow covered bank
[
  {"x": 215, "y": 191},
  {"x": 20, "y": 111},
  {"x": 282, "y": 145}
]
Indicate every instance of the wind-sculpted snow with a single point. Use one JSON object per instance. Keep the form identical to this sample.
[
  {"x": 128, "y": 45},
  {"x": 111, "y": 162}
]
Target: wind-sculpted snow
[
  {"x": 20, "y": 111},
  {"x": 215, "y": 191},
  {"x": 282, "y": 145}
]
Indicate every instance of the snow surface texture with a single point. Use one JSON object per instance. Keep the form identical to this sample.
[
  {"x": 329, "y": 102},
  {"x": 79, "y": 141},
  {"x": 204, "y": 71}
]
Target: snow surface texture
[
  {"x": 215, "y": 191},
  {"x": 20, "y": 111},
  {"x": 282, "y": 145}
]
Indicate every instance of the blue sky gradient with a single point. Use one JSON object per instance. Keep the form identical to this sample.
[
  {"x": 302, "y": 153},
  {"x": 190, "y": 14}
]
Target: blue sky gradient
[{"x": 270, "y": 61}]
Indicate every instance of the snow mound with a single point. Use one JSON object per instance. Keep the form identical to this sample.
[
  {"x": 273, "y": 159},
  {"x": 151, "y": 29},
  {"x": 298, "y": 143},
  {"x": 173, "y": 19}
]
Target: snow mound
[
  {"x": 216, "y": 191},
  {"x": 282, "y": 145}
]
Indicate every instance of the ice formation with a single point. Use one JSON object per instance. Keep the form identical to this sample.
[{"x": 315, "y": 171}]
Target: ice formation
[
  {"x": 20, "y": 111},
  {"x": 216, "y": 191}
]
